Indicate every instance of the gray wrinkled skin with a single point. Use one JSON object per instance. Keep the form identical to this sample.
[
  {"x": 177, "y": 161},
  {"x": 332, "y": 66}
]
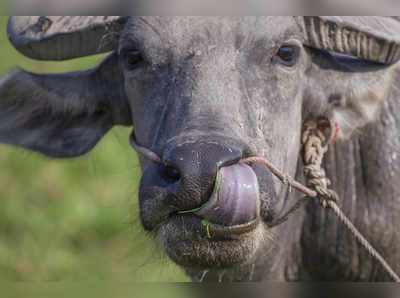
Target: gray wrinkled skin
[
  {"x": 220, "y": 75},
  {"x": 217, "y": 80}
]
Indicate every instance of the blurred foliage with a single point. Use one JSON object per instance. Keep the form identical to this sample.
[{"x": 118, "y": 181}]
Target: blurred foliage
[{"x": 73, "y": 219}]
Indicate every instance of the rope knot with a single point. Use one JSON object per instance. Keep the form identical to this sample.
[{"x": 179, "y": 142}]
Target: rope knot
[{"x": 316, "y": 137}]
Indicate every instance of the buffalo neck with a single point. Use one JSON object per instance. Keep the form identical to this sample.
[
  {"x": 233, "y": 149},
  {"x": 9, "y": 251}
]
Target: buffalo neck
[{"x": 365, "y": 171}]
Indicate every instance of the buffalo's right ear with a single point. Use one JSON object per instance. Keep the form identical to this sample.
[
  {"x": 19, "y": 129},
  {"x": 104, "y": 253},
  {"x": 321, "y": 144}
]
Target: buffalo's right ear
[
  {"x": 354, "y": 64},
  {"x": 62, "y": 115},
  {"x": 347, "y": 90}
]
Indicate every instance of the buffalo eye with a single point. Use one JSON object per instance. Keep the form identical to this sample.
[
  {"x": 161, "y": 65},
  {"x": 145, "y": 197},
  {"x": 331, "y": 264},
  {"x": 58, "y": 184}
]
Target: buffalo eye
[
  {"x": 288, "y": 54},
  {"x": 132, "y": 58}
]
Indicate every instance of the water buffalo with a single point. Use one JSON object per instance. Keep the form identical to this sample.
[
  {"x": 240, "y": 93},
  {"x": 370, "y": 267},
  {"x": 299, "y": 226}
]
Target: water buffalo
[{"x": 204, "y": 92}]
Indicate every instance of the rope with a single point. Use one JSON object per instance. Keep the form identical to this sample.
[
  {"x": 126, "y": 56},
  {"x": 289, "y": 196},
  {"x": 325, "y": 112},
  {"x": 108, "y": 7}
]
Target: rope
[
  {"x": 316, "y": 137},
  {"x": 315, "y": 141},
  {"x": 364, "y": 242}
]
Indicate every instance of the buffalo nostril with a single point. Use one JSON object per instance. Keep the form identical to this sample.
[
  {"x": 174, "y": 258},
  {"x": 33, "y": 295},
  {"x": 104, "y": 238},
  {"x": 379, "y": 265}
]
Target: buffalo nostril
[{"x": 170, "y": 174}]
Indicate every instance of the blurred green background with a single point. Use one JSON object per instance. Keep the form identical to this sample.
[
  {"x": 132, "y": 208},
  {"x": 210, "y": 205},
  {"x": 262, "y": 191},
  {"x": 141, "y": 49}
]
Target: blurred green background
[{"x": 73, "y": 220}]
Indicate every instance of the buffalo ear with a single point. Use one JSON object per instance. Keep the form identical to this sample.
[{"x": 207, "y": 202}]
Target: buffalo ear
[
  {"x": 62, "y": 115},
  {"x": 349, "y": 90}
]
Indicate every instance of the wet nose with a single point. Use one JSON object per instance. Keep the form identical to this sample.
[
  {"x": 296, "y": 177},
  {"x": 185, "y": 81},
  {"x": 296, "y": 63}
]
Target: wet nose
[{"x": 190, "y": 171}]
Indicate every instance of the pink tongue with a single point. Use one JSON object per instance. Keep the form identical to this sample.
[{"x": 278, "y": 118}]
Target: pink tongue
[{"x": 235, "y": 199}]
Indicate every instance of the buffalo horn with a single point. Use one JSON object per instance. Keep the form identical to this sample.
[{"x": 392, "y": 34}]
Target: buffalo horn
[
  {"x": 64, "y": 37},
  {"x": 370, "y": 38}
]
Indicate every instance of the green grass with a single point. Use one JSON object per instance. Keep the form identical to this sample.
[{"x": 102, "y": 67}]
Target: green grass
[{"x": 74, "y": 219}]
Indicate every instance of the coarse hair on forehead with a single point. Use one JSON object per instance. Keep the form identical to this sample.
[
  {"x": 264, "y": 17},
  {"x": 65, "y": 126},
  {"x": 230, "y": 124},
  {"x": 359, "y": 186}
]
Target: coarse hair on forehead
[{"x": 155, "y": 36}]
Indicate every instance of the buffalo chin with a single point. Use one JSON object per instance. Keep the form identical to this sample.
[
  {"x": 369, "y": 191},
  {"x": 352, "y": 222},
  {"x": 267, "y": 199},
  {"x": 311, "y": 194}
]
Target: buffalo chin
[{"x": 184, "y": 240}]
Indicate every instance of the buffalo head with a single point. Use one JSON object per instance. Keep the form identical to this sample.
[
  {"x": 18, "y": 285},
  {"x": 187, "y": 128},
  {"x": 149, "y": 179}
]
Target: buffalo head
[{"x": 202, "y": 93}]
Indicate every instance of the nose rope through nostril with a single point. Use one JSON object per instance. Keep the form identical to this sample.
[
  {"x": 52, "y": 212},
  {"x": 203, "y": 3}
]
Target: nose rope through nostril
[{"x": 147, "y": 153}]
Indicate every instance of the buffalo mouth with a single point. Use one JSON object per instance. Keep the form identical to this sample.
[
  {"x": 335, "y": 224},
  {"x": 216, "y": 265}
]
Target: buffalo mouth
[
  {"x": 211, "y": 231},
  {"x": 191, "y": 243},
  {"x": 223, "y": 231}
]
